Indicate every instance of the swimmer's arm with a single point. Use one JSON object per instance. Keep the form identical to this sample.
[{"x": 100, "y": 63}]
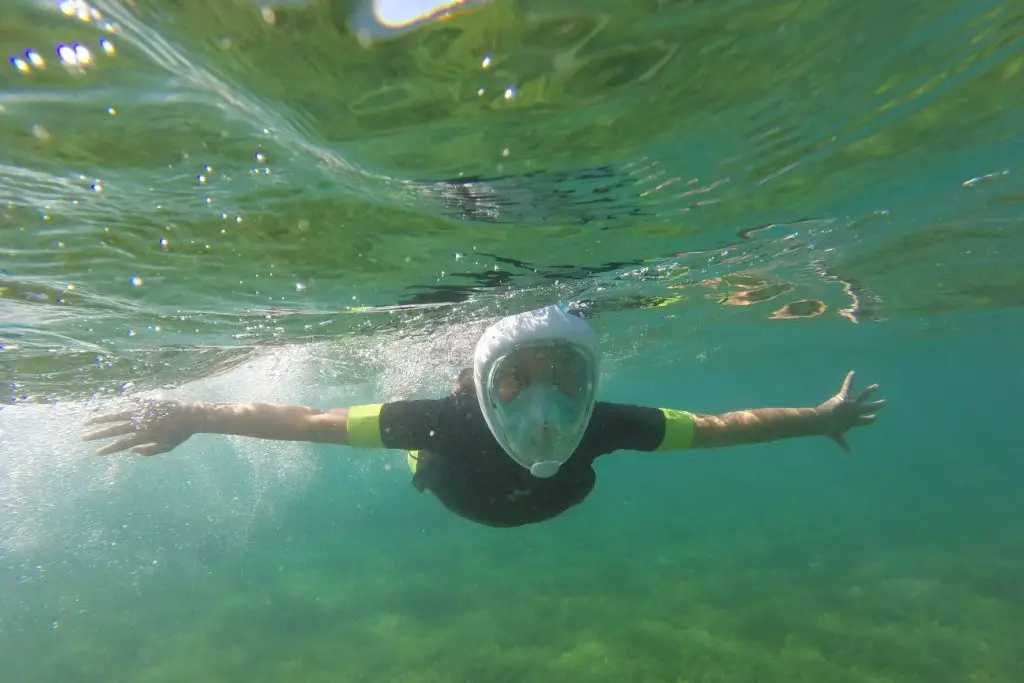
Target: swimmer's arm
[
  {"x": 153, "y": 427},
  {"x": 663, "y": 429},
  {"x": 832, "y": 418},
  {"x": 271, "y": 421},
  {"x": 407, "y": 425},
  {"x": 759, "y": 425}
]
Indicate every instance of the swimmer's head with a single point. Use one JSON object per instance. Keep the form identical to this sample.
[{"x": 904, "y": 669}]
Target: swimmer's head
[{"x": 536, "y": 378}]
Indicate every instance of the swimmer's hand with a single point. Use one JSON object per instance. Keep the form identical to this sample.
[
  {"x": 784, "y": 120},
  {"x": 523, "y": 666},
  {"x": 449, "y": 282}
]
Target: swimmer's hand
[
  {"x": 842, "y": 412},
  {"x": 152, "y": 427}
]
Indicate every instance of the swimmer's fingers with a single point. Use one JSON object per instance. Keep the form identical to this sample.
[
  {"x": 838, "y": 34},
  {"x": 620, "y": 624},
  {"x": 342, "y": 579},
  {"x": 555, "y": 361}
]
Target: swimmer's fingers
[
  {"x": 124, "y": 444},
  {"x": 871, "y": 408},
  {"x": 866, "y": 393},
  {"x": 107, "y": 432},
  {"x": 151, "y": 449},
  {"x": 123, "y": 416},
  {"x": 844, "y": 391}
]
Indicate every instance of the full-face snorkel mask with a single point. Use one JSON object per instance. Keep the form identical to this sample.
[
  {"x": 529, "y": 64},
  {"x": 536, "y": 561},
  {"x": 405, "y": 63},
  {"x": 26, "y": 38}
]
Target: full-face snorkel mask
[{"x": 536, "y": 376}]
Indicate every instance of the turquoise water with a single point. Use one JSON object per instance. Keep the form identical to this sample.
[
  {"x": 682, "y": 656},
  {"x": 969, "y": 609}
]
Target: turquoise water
[{"x": 284, "y": 202}]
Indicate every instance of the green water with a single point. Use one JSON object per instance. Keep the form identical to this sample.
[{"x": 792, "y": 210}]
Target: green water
[{"x": 226, "y": 201}]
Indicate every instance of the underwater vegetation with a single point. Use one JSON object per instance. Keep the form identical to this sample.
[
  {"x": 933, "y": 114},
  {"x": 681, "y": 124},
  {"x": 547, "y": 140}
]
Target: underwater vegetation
[{"x": 715, "y": 608}]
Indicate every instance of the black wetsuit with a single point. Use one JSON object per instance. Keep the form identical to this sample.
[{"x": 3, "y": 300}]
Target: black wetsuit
[{"x": 459, "y": 461}]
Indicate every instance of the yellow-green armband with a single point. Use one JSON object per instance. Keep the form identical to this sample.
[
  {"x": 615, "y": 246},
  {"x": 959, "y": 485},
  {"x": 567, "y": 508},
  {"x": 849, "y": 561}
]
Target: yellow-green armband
[
  {"x": 678, "y": 430},
  {"x": 364, "y": 426}
]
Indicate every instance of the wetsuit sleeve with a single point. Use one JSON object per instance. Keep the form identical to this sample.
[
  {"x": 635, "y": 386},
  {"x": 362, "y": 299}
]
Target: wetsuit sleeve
[
  {"x": 406, "y": 425},
  {"x": 639, "y": 428}
]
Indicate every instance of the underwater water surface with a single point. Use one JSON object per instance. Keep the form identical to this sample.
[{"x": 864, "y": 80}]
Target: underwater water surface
[{"x": 325, "y": 202}]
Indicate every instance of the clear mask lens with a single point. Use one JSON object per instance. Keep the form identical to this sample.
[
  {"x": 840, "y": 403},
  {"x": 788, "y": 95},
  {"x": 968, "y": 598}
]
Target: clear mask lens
[{"x": 539, "y": 403}]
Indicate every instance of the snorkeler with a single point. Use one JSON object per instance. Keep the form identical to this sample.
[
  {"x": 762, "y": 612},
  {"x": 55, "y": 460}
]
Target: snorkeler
[{"x": 516, "y": 440}]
